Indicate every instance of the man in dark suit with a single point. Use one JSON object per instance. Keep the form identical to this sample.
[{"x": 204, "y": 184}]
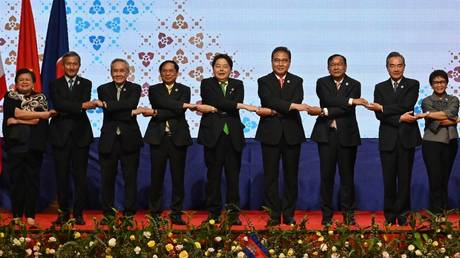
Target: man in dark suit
[
  {"x": 221, "y": 133},
  {"x": 281, "y": 133},
  {"x": 337, "y": 134},
  {"x": 169, "y": 136},
  {"x": 120, "y": 138},
  {"x": 70, "y": 136},
  {"x": 394, "y": 101}
]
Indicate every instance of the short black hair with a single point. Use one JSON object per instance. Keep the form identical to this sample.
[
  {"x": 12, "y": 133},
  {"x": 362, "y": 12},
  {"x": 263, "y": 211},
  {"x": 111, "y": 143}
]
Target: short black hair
[
  {"x": 329, "y": 60},
  {"x": 71, "y": 53},
  {"x": 23, "y": 71},
  {"x": 282, "y": 49},
  {"x": 395, "y": 54},
  {"x": 224, "y": 56},
  {"x": 176, "y": 66},
  {"x": 438, "y": 73}
]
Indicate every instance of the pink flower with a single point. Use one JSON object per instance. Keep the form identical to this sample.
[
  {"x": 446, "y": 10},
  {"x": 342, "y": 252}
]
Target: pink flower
[
  {"x": 146, "y": 58},
  {"x": 164, "y": 40},
  {"x": 455, "y": 74}
]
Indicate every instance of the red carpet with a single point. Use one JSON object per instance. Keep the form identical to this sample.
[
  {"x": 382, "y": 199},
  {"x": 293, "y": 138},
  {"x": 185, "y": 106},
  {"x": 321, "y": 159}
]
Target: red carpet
[{"x": 256, "y": 218}]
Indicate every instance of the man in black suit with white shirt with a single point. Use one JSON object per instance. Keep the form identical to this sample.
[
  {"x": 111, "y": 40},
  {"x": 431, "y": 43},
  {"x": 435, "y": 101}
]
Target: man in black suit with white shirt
[
  {"x": 281, "y": 133},
  {"x": 394, "y": 101},
  {"x": 121, "y": 138},
  {"x": 337, "y": 134},
  {"x": 70, "y": 136},
  {"x": 169, "y": 136}
]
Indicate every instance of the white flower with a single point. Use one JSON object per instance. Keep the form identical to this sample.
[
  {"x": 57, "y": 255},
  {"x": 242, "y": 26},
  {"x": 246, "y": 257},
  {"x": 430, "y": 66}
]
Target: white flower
[
  {"x": 1, "y": 253},
  {"x": 51, "y": 251},
  {"x": 240, "y": 255},
  {"x": 282, "y": 255},
  {"x": 155, "y": 256},
  {"x": 218, "y": 239},
  {"x": 22, "y": 239},
  {"x": 132, "y": 237},
  {"x": 347, "y": 244},
  {"x": 442, "y": 250},
  {"x": 403, "y": 255},
  {"x": 28, "y": 239},
  {"x": 36, "y": 254},
  {"x": 323, "y": 247},
  {"x": 36, "y": 248},
  {"x": 334, "y": 249},
  {"x": 29, "y": 251},
  {"x": 52, "y": 239},
  {"x": 335, "y": 255},
  {"x": 211, "y": 250},
  {"x": 245, "y": 238},
  {"x": 385, "y": 254},
  {"x": 137, "y": 249},
  {"x": 179, "y": 247},
  {"x": 418, "y": 253},
  {"x": 379, "y": 244},
  {"x": 411, "y": 248},
  {"x": 112, "y": 242},
  {"x": 16, "y": 242},
  {"x": 91, "y": 243},
  {"x": 147, "y": 234},
  {"x": 449, "y": 236},
  {"x": 305, "y": 255}
]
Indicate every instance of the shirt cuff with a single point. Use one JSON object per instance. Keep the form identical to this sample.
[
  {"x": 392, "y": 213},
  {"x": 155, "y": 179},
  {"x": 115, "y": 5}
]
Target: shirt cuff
[
  {"x": 350, "y": 101},
  {"x": 326, "y": 113}
]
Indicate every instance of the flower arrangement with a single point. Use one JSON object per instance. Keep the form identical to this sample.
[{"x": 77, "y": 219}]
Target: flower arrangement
[{"x": 429, "y": 235}]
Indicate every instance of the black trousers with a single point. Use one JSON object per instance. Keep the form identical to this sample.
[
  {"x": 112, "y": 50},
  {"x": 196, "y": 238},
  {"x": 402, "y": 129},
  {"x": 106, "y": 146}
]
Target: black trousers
[
  {"x": 71, "y": 161},
  {"x": 24, "y": 170},
  {"x": 223, "y": 156},
  {"x": 439, "y": 159},
  {"x": 159, "y": 155},
  {"x": 332, "y": 154},
  {"x": 109, "y": 167},
  {"x": 271, "y": 155},
  {"x": 397, "y": 171}
]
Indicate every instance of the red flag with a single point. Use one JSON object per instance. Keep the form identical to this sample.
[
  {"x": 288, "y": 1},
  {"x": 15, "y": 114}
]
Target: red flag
[
  {"x": 2, "y": 94},
  {"x": 27, "y": 47}
]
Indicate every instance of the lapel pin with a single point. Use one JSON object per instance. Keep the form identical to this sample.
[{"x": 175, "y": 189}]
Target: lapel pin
[
  {"x": 346, "y": 84},
  {"x": 176, "y": 90},
  {"x": 124, "y": 89},
  {"x": 402, "y": 86},
  {"x": 288, "y": 81},
  {"x": 78, "y": 82}
]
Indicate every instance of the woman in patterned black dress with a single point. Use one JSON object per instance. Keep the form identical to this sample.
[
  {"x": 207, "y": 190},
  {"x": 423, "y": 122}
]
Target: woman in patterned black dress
[{"x": 25, "y": 124}]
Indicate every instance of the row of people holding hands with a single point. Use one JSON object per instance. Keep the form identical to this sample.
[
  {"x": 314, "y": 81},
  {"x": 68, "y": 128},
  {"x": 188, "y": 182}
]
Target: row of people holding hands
[{"x": 280, "y": 131}]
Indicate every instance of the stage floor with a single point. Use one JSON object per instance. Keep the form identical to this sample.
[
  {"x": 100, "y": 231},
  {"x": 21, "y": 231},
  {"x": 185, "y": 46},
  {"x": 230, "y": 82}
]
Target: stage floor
[{"x": 257, "y": 219}]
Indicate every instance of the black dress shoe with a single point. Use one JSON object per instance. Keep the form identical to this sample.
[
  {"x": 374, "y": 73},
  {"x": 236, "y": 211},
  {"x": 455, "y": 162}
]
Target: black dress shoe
[
  {"x": 326, "y": 221},
  {"x": 273, "y": 222},
  {"x": 349, "y": 220},
  {"x": 79, "y": 220},
  {"x": 402, "y": 221},
  {"x": 235, "y": 221},
  {"x": 61, "y": 219},
  {"x": 177, "y": 220},
  {"x": 289, "y": 221}
]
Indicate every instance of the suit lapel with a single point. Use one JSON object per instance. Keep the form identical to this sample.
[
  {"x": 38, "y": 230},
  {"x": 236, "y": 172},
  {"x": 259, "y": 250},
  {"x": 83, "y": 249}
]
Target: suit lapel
[
  {"x": 174, "y": 91},
  {"x": 276, "y": 83}
]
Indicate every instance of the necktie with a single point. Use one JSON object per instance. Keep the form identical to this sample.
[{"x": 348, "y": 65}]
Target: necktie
[
  {"x": 338, "y": 84},
  {"x": 395, "y": 86},
  {"x": 167, "y": 128},
  {"x": 223, "y": 86},
  {"x": 118, "y": 98},
  {"x": 281, "y": 80},
  {"x": 71, "y": 84}
]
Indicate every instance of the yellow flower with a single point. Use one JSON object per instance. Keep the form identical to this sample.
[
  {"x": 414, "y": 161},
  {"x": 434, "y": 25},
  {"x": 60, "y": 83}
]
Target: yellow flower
[
  {"x": 290, "y": 252},
  {"x": 183, "y": 254},
  {"x": 170, "y": 234},
  {"x": 132, "y": 237},
  {"x": 76, "y": 235},
  {"x": 169, "y": 247},
  {"x": 300, "y": 241},
  {"x": 318, "y": 233},
  {"x": 151, "y": 244},
  {"x": 315, "y": 253},
  {"x": 435, "y": 243},
  {"x": 321, "y": 239},
  {"x": 271, "y": 251},
  {"x": 212, "y": 222},
  {"x": 2, "y": 235},
  {"x": 331, "y": 232},
  {"x": 197, "y": 245},
  {"x": 108, "y": 256}
]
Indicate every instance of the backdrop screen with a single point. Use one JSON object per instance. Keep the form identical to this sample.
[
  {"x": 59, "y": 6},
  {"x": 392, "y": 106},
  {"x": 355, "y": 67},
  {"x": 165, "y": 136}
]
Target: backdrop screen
[{"x": 191, "y": 31}]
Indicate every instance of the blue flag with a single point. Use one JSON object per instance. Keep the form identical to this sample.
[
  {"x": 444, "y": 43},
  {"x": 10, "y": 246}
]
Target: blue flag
[{"x": 56, "y": 45}]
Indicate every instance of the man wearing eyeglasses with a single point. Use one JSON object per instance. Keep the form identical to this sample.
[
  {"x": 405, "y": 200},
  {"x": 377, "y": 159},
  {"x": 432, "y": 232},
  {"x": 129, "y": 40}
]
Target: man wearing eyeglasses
[{"x": 281, "y": 133}]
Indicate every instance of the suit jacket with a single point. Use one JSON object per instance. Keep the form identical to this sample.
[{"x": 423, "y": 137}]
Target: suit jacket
[
  {"x": 394, "y": 105},
  {"x": 336, "y": 102},
  {"x": 169, "y": 108},
  {"x": 118, "y": 115},
  {"x": 72, "y": 121},
  {"x": 212, "y": 124},
  {"x": 287, "y": 123}
]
